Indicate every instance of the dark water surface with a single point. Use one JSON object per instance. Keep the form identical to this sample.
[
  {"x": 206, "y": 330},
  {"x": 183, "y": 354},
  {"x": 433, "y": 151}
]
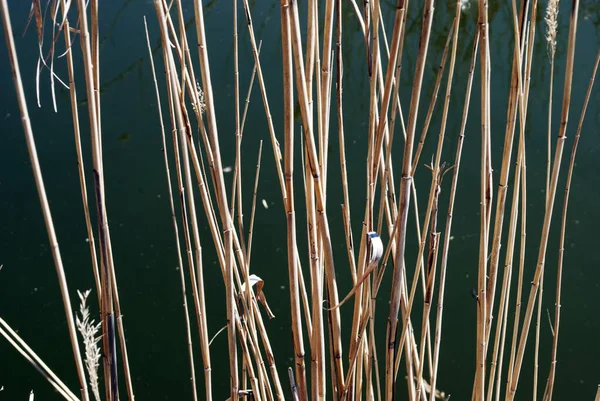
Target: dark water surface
[{"x": 138, "y": 206}]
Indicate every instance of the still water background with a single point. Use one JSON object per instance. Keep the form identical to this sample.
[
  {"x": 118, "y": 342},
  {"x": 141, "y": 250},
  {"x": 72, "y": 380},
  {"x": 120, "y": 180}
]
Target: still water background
[{"x": 138, "y": 206}]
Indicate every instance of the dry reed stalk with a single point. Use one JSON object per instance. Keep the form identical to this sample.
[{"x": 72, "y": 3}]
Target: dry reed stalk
[
  {"x": 322, "y": 221},
  {"x": 80, "y": 164},
  {"x": 288, "y": 129},
  {"x": 174, "y": 218},
  {"x": 550, "y": 203},
  {"x": 485, "y": 199},
  {"x": 420, "y": 267},
  {"x": 226, "y": 220},
  {"x": 184, "y": 180},
  {"x": 19, "y": 344},
  {"x": 561, "y": 248},
  {"x": 597, "y": 398},
  {"x": 253, "y": 208},
  {"x": 236, "y": 193},
  {"x": 405, "y": 184},
  {"x": 263, "y": 92},
  {"x": 500, "y": 336},
  {"x": 434, "y": 96},
  {"x": 551, "y": 19},
  {"x": 447, "y": 236},
  {"x": 37, "y": 173},
  {"x": 107, "y": 306}
]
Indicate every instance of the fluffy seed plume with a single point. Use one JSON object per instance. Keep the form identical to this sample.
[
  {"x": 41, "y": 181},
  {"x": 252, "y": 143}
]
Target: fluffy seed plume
[
  {"x": 551, "y": 19},
  {"x": 89, "y": 331}
]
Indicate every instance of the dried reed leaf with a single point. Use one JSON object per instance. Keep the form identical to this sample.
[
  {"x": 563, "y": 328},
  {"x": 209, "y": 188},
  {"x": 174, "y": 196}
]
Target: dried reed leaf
[{"x": 254, "y": 280}]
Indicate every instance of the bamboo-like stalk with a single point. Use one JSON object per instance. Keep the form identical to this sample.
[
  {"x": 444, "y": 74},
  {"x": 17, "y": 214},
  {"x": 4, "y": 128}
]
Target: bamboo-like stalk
[
  {"x": 456, "y": 28},
  {"x": 597, "y": 398},
  {"x": 21, "y": 346},
  {"x": 263, "y": 92},
  {"x": 551, "y": 20},
  {"x": 80, "y": 164},
  {"x": 516, "y": 91},
  {"x": 561, "y": 247},
  {"x": 288, "y": 130},
  {"x": 226, "y": 220},
  {"x": 107, "y": 306},
  {"x": 550, "y": 203},
  {"x": 334, "y": 316},
  {"x": 485, "y": 192},
  {"x": 39, "y": 182},
  {"x": 405, "y": 184},
  {"x": 175, "y": 226},
  {"x": 185, "y": 179}
]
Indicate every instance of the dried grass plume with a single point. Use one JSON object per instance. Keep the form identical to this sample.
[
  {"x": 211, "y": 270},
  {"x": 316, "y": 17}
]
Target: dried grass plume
[
  {"x": 89, "y": 331},
  {"x": 551, "y": 19}
]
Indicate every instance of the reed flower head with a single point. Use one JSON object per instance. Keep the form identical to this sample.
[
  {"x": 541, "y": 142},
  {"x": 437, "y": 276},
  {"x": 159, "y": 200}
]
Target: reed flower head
[
  {"x": 89, "y": 331},
  {"x": 551, "y": 19}
]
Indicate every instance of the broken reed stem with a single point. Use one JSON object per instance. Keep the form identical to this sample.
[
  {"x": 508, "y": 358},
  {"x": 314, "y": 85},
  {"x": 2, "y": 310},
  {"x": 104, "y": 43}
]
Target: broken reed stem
[
  {"x": 174, "y": 218},
  {"x": 550, "y": 203},
  {"x": 19, "y": 344},
  {"x": 37, "y": 173},
  {"x": 561, "y": 248}
]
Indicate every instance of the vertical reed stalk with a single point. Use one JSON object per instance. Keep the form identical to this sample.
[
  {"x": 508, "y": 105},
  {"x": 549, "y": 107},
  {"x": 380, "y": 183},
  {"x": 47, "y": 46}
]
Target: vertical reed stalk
[
  {"x": 550, "y": 203},
  {"x": 288, "y": 129},
  {"x": 221, "y": 197},
  {"x": 561, "y": 248},
  {"x": 39, "y": 182},
  {"x": 175, "y": 226},
  {"x": 405, "y": 185}
]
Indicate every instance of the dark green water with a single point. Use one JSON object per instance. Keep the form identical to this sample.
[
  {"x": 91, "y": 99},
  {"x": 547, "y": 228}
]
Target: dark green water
[{"x": 138, "y": 206}]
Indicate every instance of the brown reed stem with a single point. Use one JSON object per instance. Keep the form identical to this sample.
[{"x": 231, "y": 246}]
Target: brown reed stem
[
  {"x": 561, "y": 248},
  {"x": 39, "y": 182},
  {"x": 550, "y": 203}
]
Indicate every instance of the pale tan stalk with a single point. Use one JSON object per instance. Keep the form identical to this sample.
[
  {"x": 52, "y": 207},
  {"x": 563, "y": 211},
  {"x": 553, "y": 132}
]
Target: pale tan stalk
[
  {"x": 263, "y": 91},
  {"x": 107, "y": 306},
  {"x": 237, "y": 183},
  {"x": 485, "y": 194},
  {"x": 405, "y": 184},
  {"x": 551, "y": 19},
  {"x": 597, "y": 398},
  {"x": 550, "y": 203},
  {"x": 561, "y": 248},
  {"x": 184, "y": 180},
  {"x": 37, "y": 173},
  {"x": 448, "y": 226},
  {"x": 420, "y": 266},
  {"x": 288, "y": 129},
  {"x": 500, "y": 336},
  {"x": 515, "y": 94},
  {"x": 253, "y": 209},
  {"x": 175, "y": 226},
  {"x": 334, "y": 316},
  {"x": 226, "y": 220},
  {"x": 80, "y": 164},
  {"x": 19, "y": 344},
  {"x": 434, "y": 96}
]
